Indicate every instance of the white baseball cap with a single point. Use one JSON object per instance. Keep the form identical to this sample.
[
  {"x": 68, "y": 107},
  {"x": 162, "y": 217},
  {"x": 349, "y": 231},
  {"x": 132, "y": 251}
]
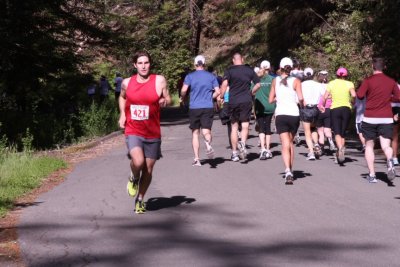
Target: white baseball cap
[
  {"x": 256, "y": 69},
  {"x": 265, "y": 64},
  {"x": 200, "y": 59},
  {"x": 323, "y": 72},
  {"x": 308, "y": 72},
  {"x": 286, "y": 62}
]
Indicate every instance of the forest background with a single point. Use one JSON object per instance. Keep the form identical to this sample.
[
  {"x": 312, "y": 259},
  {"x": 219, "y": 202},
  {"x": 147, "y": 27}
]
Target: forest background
[{"x": 51, "y": 51}]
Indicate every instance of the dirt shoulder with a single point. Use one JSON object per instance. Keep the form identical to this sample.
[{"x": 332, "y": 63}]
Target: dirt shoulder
[{"x": 9, "y": 248}]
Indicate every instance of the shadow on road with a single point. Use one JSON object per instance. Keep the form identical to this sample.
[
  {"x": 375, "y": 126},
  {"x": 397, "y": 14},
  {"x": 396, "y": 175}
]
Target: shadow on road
[
  {"x": 158, "y": 203},
  {"x": 213, "y": 162}
]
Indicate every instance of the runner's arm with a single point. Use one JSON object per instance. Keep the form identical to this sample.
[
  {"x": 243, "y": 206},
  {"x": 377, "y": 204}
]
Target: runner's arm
[
  {"x": 216, "y": 93},
  {"x": 165, "y": 98},
  {"x": 223, "y": 89},
  {"x": 256, "y": 87},
  {"x": 272, "y": 96},
  {"x": 353, "y": 95},
  {"x": 297, "y": 87}
]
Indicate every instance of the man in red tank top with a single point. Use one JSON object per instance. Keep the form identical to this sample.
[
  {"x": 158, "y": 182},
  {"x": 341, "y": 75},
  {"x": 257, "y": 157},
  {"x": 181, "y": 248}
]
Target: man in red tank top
[{"x": 141, "y": 97}]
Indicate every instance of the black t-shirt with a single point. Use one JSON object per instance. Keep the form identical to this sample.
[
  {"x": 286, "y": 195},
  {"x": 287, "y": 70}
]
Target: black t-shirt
[{"x": 239, "y": 81}]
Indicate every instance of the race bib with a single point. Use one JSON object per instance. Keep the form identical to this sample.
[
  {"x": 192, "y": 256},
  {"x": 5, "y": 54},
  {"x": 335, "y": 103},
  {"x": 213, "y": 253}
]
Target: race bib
[{"x": 139, "y": 112}]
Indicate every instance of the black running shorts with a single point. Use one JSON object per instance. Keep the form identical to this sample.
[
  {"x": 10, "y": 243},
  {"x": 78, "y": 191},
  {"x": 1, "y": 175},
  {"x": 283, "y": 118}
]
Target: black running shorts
[
  {"x": 287, "y": 124},
  {"x": 240, "y": 112},
  {"x": 373, "y": 131},
  {"x": 201, "y": 118},
  {"x": 324, "y": 119}
]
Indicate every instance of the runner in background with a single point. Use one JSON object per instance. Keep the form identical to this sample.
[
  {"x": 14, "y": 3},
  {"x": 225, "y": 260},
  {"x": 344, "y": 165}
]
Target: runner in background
[
  {"x": 298, "y": 73},
  {"x": 343, "y": 94},
  {"x": 264, "y": 111},
  {"x": 286, "y": 92},
  {"x": 239, "y": 78},
  {"x": 204, "y": 88},
  {"x": 324, "y": 118},
  {"x": 379, "y": 91},
  {"x": 360, "y": 109},
  {"x": 309, "y": 114},
  {"x": 395, "y": 140}
]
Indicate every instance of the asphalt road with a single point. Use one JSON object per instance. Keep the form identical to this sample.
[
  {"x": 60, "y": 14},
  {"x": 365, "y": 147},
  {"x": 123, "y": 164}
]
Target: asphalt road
[{"x": 223, "y": 213}]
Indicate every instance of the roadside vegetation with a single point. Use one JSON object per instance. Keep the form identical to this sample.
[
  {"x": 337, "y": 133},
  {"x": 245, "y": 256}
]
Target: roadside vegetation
[{"x": 20, "y": 172}]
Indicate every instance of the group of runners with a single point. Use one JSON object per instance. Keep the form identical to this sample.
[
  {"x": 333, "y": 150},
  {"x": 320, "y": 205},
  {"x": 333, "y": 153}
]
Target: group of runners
[{"x": 287, "y": 97}]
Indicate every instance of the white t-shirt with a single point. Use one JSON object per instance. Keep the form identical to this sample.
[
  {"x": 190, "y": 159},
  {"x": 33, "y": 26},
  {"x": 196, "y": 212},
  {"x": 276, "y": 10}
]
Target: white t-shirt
[
  {"x": 312, "y": 92},
  {"x": 286, "y": 98}
]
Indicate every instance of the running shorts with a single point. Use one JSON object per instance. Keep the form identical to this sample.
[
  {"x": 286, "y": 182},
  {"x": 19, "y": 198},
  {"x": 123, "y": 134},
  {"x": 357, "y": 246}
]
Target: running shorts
[
  {"x": 324, "y": 119},
  {"x": 373, "y": 131},
  {"x": 151, "y": 146},
  {"x": 240, "y": 112},
  {"x": 286, "y": 123},
  {"x": 201, "y": 118},
  {"x": 340, "y": 118},
  {"x": 264, "y": 123},
  {"x": 309, "y": 114}
]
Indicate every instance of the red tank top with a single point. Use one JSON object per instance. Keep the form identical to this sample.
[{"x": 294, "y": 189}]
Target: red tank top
[{"x": 142, "y": 109}]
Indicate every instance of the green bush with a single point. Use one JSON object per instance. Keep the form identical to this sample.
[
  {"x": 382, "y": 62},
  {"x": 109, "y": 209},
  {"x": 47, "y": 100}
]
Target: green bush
[{"x": 99, "y": 119}]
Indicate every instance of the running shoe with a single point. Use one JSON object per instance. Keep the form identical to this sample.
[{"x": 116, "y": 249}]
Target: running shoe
[
  {"x": 310, "y": 156},
  {"x": 132, "y": 186},
  {"x": 395, "y": 162},
  {"x": 317, "y": 150},
  {"x": 209, "y": 151},
  {"x": 235, "y": 157},
  {"x": 140, "y": 207},
  {"x": 340, "y": 155},
  {"x": 269, "y": 154},
  {"x": 263, "y": 154},
  {"x": 332, "y": 146},
  {"x": 335, "y": 157},
  {"x": 371, "y": 179},
  {"x": 242, "y": 150},
  {"x": 196, "y": 162},
  {"x": 289, "y": 178},
  {"x": 391, "y": 172},
  {"x": 297, "y": 139}
]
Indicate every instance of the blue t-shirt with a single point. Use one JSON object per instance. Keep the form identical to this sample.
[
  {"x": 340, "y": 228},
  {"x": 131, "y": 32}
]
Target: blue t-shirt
[
  {"x": 202, "y": 84},
  {"x": 118, "y": 81}
]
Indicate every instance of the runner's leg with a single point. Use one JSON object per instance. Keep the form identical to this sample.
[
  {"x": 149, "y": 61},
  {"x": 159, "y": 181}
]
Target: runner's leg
[
  {"x": 370, "y": 156},
  {"x": 195, "y": 142}
]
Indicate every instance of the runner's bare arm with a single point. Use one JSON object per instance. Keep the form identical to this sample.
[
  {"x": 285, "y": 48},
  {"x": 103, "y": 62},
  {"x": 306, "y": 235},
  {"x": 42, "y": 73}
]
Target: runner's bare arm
[
  {"x": 184, "y": 90},
  {"x": 297, "y": 87},
  {"x": 122, "y": 102},
  {"x": 216, "y": 93},
  {"x": 223, "y": 88},
  {"x": 256, "y": 87},
  {"x": 353, "y": 95},
  {"x": 162, "y": 90},
  {"x": 272, "y": 97}
]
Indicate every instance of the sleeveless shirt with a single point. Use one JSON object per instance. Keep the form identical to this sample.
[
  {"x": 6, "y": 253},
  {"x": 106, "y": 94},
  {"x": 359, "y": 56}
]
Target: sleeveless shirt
[
  {"x": 142, "y": 109},
  {"x": 286, "y": 98}
]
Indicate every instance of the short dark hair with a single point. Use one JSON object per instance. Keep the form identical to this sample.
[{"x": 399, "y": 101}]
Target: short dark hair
[
  {"x": 378, "y": 63},
  {"x": 236, "y": 53},
  {"x": 141, "y": 54}
]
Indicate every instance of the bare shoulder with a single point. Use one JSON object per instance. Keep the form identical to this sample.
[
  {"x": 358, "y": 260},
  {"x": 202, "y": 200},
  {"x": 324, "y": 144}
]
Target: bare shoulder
[
  {"x": 126, "y": 81},
  {"x": 160, "y": 80}
]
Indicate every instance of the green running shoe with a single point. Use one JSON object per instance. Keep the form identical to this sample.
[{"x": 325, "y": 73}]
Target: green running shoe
[
  {"x": 132, "y": 186},
  {"x": 140, "y": 207}
]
